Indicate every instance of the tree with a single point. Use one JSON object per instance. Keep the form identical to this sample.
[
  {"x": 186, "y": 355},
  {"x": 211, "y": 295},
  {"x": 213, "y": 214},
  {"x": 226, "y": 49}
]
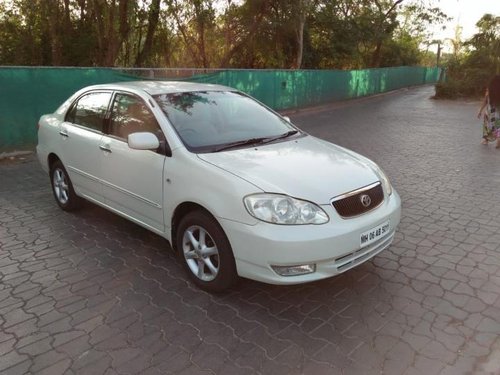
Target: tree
[
  {"x": 153, "y": 18},
  {"x": 240, "y": 25},
  {"x": 195, "y": 21},
  {"x": 487, "y": 41},
  {"x": 384, "y": 25},
  {"x": 300, "y": 10},
  {"x": 469, "y": 73},
  {"x": 413, "y": 34},
  {"x": 111, "y": 33},
  {"x": 206, "y": 34}
]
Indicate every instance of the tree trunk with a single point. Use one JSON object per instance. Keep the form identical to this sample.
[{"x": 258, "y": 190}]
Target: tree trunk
[
  {"x": 300, "y": 41},
  {"x": 251, "y": 32},
  {"x": 201, "y": 43},
  {"x": 376, "y": 56},
  {"x": 109, "y": 40},
  {"x": 188, "y": 41},
  {"x": 375, "y": 63},
  {"x": 101, "y": 32},
  {"x": 67, "y": 20},
  {"x": 82, "y": 5},
  {"x": 154, "y": 16},
  {"x": 54, "y": 30}
]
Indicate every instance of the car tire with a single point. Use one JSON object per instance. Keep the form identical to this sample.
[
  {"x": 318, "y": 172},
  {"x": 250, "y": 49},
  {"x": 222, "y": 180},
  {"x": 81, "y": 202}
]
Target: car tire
[
  {"x": 205, "y": 252},
  {"x": 62, "y": 188}
]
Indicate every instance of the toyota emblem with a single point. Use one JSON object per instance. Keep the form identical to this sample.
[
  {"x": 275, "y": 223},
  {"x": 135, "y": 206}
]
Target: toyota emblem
[{"x": 365, "y": 200}]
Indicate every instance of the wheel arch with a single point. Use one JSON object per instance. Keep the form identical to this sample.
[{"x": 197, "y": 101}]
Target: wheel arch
[
  {"x": 180, "y": 211},
  {"x": 51, "y": 159}
]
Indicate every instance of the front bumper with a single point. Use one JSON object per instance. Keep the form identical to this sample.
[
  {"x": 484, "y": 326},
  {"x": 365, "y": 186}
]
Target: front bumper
[{"x": 333, "y": 247}]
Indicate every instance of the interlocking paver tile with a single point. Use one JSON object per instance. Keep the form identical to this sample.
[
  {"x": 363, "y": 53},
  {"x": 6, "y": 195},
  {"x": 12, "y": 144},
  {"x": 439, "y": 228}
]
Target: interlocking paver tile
[
  {"x": 136, "y": 365},
  {"x": 37, "y": 347},
  {"x": 46, "y": 360},
  {"x": 332, "y": 355},
  {"x": 176, "y": 363},
  {"x": 91, "y": 293}
]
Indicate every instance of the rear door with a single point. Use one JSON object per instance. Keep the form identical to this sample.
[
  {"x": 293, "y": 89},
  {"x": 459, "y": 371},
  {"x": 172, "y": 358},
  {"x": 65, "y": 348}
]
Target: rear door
[
  {"x": 132, "y": 179},
  {"x": 81, "y": 136}
]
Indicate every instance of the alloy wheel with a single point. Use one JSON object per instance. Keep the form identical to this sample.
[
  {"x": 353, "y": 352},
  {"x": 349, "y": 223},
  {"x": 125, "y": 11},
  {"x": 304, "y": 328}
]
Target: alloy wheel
[
  {"x": 61, "y": 187},
  {"x": 201, "y": 253}
]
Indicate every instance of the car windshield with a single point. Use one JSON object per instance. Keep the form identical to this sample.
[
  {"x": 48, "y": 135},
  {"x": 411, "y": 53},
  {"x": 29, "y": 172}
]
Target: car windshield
[{"x": 209, "y": 121}]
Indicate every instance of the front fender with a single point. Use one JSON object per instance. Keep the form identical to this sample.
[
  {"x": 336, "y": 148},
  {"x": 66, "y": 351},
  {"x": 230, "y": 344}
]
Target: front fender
[{"x": 190, "y": 179}]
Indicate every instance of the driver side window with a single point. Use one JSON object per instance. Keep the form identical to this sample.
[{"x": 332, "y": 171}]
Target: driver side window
[{"x": 130, "y": 114}]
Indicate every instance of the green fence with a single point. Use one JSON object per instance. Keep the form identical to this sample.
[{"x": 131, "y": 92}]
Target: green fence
[{"x": 27, "y": 93}]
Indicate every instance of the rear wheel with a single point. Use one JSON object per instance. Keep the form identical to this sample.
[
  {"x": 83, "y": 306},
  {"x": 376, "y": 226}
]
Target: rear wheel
[
  {"x": 205, "y": 252},
  {"x": 63, "y": 188}
]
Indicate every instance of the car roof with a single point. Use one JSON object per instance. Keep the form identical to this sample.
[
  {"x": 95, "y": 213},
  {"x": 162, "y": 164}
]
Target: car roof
[{"x": 161, "y": 87}]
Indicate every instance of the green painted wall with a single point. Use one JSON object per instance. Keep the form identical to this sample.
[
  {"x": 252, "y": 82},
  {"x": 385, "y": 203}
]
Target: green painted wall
[{"x": 27, "y": 93}]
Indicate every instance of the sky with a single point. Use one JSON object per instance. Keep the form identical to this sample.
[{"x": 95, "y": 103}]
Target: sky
[{"x": 465, "y": 13}]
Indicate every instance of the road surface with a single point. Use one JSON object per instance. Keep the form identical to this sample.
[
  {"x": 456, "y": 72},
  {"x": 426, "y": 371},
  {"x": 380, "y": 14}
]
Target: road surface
[{"x": 92, "y": 293}]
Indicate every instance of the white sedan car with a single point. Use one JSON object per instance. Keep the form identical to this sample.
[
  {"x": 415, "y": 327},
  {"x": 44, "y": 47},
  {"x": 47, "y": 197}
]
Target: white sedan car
[{"x": 235, "y": 187}]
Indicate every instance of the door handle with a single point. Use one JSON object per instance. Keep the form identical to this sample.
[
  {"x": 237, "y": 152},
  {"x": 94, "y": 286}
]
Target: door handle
[
  {"x": 63, "y": 133},
  {"x": 105, "y": 148}
]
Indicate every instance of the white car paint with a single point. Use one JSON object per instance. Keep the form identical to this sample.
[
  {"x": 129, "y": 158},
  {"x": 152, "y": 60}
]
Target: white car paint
[
  {"x": 83, "y": 166},
  {"x": 138, "y": 194},
  {"x": 147, "y": 187},
  {"x": 307, "y": 168}
]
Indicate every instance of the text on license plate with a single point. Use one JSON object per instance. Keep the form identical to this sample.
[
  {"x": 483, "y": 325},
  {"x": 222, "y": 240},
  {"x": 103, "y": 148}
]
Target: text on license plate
[{"x": 374, "y": 234}]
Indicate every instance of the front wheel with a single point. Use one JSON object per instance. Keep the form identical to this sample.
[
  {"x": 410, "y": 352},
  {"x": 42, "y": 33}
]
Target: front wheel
[
  {"x": 205, "y": 252},
  {"x": 63, "y": 188}
]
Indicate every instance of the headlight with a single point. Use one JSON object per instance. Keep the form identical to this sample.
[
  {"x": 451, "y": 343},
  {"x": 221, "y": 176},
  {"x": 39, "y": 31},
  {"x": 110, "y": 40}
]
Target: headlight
[
  {"x": 386, "y": 184},
  {"x": 282, "y": 209}
]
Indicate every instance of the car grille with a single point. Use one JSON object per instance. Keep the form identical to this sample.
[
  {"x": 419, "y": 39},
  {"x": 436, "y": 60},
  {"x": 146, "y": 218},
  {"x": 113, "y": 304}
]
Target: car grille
[{"x": 350, "y": 204}]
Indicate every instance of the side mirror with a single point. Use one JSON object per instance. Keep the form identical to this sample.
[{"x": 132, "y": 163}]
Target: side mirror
[
  {"x": 143, "y": 141},
  {"x": 287, "y": 119}
]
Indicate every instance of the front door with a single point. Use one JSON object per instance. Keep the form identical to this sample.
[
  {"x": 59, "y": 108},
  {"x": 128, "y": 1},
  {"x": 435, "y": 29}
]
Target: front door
[{"x": 132, "y": 179}]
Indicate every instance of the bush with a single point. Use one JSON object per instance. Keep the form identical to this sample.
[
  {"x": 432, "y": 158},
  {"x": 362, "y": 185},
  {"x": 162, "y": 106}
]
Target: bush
[
  {"x": 469, "y": 75},
  {"x": 466, "y": 78}
]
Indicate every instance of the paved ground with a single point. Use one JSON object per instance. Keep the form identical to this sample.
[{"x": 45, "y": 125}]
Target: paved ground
[{"x": 92, "y": 293}]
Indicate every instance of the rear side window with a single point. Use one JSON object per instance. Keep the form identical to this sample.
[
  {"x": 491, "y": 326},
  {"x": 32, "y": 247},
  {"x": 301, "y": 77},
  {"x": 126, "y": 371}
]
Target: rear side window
[{"x": 90, "y": 109}]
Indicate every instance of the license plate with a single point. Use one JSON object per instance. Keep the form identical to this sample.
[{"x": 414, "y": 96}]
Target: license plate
[{"x": 374, "y": 234}]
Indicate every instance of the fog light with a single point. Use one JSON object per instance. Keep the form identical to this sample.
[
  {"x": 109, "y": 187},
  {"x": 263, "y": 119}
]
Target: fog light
[{"x": 294, "y": 270}]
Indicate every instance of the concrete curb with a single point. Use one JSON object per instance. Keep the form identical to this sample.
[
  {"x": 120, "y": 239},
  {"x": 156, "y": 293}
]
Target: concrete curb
[{"x": 14, "y": 154}]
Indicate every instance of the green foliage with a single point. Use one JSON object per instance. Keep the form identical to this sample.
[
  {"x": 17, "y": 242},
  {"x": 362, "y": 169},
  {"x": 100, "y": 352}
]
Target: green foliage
[
  {"x": 468, "y": 74},
  {"x": 400, "y": 51},
  {"x": 215, "y": 33}
]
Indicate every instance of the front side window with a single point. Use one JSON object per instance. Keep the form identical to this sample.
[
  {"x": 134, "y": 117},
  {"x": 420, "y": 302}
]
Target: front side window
[
  {"x": 130, "y": 115},
  {"x": 206, "y": 121},
  {"x": 89, "y": 110}
]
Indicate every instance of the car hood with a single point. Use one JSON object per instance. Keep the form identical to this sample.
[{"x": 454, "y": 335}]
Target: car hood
[{"x": 306, "y": 168}]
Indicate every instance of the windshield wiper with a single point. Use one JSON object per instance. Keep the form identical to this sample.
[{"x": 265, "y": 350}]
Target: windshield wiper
[
  {"x": 281, "y": 136},
  {"x": 245, "y": 142},
  {"x": 252, "y": 141}
]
